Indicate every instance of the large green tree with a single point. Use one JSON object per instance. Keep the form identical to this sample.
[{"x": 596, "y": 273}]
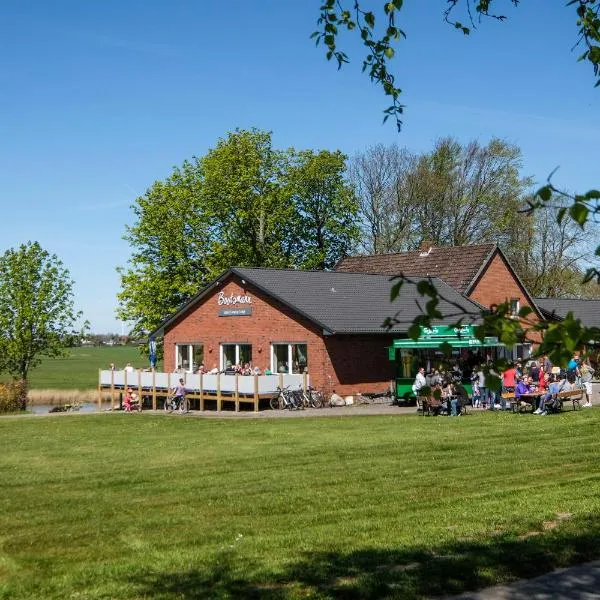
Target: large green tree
[
  {"x": 37, "y": 314},
  {"x": 244, "y": 203},
  {"x": 326, "y": 208},
  {"x": 245, "y": 199}
]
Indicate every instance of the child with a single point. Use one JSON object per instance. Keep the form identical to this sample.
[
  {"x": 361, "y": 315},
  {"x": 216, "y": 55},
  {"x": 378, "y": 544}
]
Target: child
[{"x": 476, "y": 400}]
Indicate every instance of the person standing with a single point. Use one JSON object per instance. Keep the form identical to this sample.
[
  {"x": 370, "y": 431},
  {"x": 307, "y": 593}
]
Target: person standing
[
  {"x": 483, "y": 391},
  {"x": 587, "y": 374},
  {"x": 420, "y": 381}
]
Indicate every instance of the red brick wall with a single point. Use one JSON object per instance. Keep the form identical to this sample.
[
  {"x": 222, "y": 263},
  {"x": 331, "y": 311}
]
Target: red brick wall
[
  {"x": 497, "y": 285},
  {"x": 359, "y": 363},
  {"x": 345, "y": 363}
]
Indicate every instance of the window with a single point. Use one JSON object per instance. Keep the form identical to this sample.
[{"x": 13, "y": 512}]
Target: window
[
  {"x": 188, "y": 357},
  {"x": 289, "y": 358},
  {"x": 515, "y": 306},
  {"x": 235, "y": 354}
]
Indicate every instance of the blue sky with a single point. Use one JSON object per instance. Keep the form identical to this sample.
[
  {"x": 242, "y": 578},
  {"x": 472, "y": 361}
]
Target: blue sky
[{"x": 99, "y": 99}]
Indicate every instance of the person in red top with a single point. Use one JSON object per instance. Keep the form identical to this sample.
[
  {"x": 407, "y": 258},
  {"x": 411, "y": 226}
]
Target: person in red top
[{"x": 509, "y": 379}]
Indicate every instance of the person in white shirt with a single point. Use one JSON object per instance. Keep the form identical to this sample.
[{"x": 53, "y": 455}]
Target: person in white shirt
[{"x": 420, "y": 381}]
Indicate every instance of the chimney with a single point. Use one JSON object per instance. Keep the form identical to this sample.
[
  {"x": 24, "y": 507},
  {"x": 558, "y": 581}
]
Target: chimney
[{"x": 425, "y": 248}]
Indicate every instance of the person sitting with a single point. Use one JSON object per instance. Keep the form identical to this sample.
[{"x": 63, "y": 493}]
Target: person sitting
[
  {"x": 246, "y": 369},
  {"x": 256, "y": 370},
  {"x": 178, "y": 392},
  {"x": 127, "y": 399},
  {"x": 130, "y": 399},
  {"x": 214, "y": 370},
  {"x": 558, "y": 384},
  {"x": 522, "y": 388},
  {"x": 201, "y": 370},
  {"x": 268, "y": 371}
]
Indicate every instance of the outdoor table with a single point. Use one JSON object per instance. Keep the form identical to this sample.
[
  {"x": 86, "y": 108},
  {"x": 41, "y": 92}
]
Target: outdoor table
[{"x": 529, "y": 398}]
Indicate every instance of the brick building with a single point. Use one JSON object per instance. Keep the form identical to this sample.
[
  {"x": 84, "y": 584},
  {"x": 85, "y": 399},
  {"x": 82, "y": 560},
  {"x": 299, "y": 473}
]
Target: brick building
[
  {"x": 480, "y": 272},
  {"x": 329, "y": 323}
]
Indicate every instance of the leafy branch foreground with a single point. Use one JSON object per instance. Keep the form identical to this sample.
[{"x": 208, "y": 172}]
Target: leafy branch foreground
[
  {"x": 379, "y": 41},
  {"x": 140, "y": 506}
]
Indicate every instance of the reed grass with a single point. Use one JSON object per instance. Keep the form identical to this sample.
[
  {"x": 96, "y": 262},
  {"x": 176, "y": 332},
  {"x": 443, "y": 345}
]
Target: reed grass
[{"x": 56, "y": 397}]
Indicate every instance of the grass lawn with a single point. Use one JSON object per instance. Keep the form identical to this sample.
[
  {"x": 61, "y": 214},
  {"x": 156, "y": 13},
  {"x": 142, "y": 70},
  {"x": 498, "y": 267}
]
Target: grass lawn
[
  {"x": 79, "y": 370},
  {"x": 155, "y": 506}
]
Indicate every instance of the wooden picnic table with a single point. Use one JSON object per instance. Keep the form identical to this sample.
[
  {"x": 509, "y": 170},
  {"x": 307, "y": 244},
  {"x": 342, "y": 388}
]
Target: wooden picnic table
[{"x": 529, "y": 398}]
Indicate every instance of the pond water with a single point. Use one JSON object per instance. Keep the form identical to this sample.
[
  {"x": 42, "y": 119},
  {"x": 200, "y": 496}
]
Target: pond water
[{"x": 86, "y": 407}]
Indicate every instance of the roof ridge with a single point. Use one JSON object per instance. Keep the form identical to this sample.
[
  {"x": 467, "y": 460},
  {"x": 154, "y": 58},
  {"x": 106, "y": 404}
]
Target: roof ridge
[{"x": 434, "y": 247}]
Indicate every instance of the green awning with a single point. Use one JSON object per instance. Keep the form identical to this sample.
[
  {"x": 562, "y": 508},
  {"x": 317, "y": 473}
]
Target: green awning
[{"x": 455, "y": 342}]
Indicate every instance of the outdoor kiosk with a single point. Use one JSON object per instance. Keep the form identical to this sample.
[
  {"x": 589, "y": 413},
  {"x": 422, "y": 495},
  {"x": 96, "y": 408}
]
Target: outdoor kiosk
[{"x": 427, "y": 351}]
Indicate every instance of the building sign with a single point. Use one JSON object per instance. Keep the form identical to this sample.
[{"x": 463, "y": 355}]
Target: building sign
[
  {"x": 245, "y": 311},
  {"x": 446, "y": 331},
  {"x": 232, "y": 300}
]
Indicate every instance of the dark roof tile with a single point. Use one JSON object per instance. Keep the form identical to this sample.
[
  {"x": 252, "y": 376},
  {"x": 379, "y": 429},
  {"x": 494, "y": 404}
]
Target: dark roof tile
[{"x": 587, "y": 311}]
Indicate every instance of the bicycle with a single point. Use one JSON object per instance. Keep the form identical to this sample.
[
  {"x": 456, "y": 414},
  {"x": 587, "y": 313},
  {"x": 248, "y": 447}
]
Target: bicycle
[
  {"x": 177, "y": 403},
  {"x": 285, "y": 399},
  {"x": 312, "y": 398}
]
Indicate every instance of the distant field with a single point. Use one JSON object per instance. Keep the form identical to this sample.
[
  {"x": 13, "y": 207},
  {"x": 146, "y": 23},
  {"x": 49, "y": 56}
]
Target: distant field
[{"x": 79, "y": 370}]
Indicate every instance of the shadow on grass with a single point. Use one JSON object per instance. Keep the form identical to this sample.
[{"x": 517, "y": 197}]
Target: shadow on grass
[{"x": 410, "y": 573}]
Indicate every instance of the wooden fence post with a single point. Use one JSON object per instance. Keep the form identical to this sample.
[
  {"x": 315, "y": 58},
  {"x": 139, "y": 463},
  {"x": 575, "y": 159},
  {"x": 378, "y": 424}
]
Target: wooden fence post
[
  {"x": 218, "y": 392},
  {"x": 201, "y": 391},
  {"x": 99, "y": 389},
  {"x": 255, "y": 392},
  {"x": 153, "y": 388},
  {"x": 112, "y": 389},
  {"x": 237, "y": 393}
]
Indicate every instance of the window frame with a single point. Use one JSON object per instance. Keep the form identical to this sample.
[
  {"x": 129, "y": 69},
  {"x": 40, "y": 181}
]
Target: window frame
[
  {"x": 190, "y": 352},
  {"x": 237, "y": 345},
  {"x": 290, "y": 357}
]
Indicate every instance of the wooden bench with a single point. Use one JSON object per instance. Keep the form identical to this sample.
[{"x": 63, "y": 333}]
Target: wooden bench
[{"x": 575, "y": 396}]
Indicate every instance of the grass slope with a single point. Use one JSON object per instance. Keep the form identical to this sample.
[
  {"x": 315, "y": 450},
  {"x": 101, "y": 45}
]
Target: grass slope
[
  {"x": 152, "y": 506},
  {"x": 79, "y": 370}
]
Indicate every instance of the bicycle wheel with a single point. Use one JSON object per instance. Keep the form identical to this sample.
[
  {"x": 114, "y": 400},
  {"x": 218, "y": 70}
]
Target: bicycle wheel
[
  {"x": 167, "y": 405},
  {"x": 316, "y": 399},
  {"x": 184, "y": 406},
  {"x": 275, "y": 402}
]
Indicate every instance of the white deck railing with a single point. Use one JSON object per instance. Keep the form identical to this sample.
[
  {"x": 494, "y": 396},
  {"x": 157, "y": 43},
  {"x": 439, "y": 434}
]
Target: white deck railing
[{"x": 241, "y": 384}]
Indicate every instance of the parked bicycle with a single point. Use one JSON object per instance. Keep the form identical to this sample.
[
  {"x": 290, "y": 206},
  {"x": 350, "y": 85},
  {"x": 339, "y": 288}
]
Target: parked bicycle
[
  {"x": 312, "y": 398},
  {"x": 286, "y": 399},
  {"x": 177, "y": 404}
]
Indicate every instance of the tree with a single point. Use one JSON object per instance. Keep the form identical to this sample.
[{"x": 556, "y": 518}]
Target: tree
[
  {"x": 244, "y": 197},
  {"x": 548, "y": 255},
  {"x": 326, "y": 210},
  {"x": 170, "y": 241},
  {"x": 37, "y": 315},
  {"x": 242, "y": 204},
  {"x": 380, "y": 176},
  {"x": 454, "y": 195}
]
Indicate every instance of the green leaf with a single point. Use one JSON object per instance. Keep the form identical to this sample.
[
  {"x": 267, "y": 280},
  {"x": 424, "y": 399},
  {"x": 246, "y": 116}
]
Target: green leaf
[
  {"x": 545, "y": 193},
  {"x": 579, "y": 214},
  {"x": 395, "y": 291},
  {"x": 414, "y": 331}
]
